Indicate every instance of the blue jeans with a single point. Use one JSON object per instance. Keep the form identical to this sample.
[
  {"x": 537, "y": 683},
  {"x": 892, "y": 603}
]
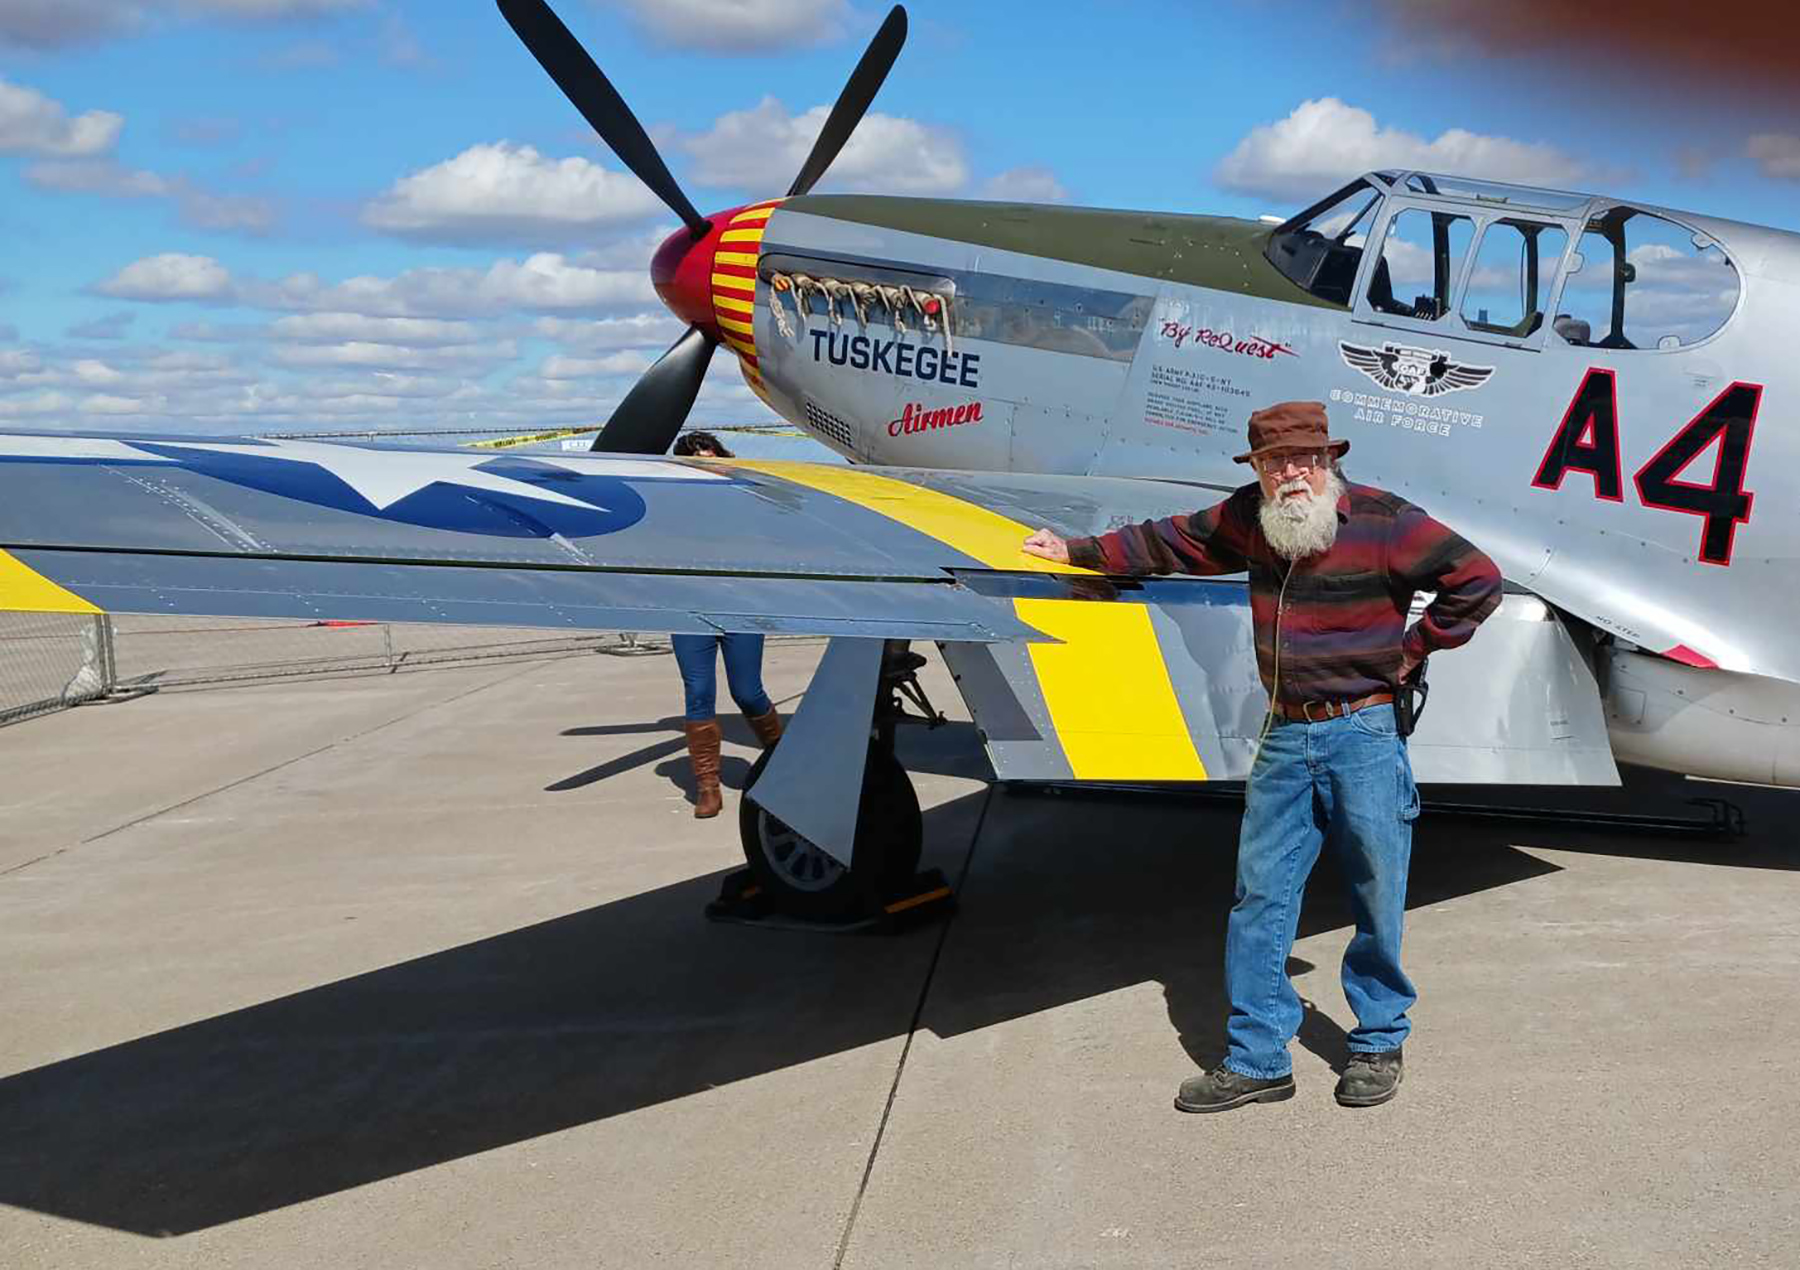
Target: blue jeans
[
  {"x": 697, "y": 655},
  {"x": 1345, "y": 781}
]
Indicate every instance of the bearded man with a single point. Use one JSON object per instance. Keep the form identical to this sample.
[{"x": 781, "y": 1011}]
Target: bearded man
[{"x": 1333, "y": 568}]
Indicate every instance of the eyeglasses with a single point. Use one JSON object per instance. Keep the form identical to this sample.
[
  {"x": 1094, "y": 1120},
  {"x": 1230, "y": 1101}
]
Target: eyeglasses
[{"x": 1305, "y": 460}]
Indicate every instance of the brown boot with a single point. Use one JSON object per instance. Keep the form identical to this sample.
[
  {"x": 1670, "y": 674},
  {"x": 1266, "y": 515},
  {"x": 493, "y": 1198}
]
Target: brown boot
[
  {"x": 766, "y": 726},
  {"x": 703, "y": 753}
]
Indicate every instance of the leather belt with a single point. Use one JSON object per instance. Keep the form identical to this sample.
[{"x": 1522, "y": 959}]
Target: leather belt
[{"x": 1319, "y": 711}]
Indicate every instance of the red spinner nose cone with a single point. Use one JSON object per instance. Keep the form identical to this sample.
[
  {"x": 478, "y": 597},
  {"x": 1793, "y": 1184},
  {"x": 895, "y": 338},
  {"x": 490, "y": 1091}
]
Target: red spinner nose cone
[{"x": 681, "y": 272}]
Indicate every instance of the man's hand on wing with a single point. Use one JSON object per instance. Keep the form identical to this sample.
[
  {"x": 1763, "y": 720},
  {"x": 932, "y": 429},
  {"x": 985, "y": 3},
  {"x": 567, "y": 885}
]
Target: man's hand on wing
[{"x": 1048, "y": 545}]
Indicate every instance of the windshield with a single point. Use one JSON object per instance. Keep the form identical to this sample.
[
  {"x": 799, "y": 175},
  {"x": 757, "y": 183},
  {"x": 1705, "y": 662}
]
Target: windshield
[{"x": 1321, "y": 249}]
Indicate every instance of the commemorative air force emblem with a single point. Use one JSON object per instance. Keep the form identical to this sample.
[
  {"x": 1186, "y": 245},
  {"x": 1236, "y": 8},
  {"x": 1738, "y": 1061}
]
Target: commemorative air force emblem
[{"x": 1422, "y": 372}]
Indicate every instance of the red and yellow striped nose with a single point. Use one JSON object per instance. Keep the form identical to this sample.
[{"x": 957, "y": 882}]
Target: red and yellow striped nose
[{"x": 710, "y": 281}]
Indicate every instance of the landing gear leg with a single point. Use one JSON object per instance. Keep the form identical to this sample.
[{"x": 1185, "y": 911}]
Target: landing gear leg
[{"x": 830, "y": 822}]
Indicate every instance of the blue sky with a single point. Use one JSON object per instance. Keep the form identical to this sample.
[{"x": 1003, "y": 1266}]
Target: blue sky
[{"x": 242, "y": 215}]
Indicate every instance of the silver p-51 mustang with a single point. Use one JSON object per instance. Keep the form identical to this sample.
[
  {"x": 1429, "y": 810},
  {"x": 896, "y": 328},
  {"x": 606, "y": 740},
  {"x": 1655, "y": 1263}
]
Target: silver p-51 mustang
[{"x": 1573, "y": 382}]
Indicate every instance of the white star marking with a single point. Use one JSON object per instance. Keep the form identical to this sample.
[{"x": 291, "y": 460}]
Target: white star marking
[
  {"x": 383, "y": 477},
  {"x": 386, "y": 478}
]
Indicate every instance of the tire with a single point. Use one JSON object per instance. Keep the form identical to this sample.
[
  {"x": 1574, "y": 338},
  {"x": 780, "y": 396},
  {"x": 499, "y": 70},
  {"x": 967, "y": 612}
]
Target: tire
[{"x": 804, "y": 881}]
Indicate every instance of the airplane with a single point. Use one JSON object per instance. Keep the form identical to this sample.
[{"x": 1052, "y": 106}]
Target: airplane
[{"x": 1504, "y": 356}]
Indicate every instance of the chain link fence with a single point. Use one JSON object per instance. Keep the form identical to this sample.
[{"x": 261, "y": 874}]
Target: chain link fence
[{"x": 50, "y": 661}]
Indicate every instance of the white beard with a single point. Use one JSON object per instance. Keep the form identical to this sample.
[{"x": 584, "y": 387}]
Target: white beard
[{"x": 1303, "y": 526}]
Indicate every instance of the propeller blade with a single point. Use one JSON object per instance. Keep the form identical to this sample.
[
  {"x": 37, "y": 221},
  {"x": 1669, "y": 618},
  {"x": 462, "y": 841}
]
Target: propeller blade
[
  {"x": 653, "y": 411},
  {"x": 561, "y": 54},
  {"x": 853, "y": 102}
]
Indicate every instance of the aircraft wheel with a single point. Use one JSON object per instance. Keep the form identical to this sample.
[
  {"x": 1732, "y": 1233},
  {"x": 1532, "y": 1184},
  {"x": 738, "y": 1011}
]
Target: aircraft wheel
[{"x": 803, "y": 880}]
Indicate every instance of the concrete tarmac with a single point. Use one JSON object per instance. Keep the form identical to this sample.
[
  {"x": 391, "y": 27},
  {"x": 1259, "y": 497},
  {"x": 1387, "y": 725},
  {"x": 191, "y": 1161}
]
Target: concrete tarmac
[{"x": 411, "y": 971}]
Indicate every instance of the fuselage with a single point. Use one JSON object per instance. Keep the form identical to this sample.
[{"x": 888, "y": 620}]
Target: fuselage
[
  {"x": 1604, "y": 409},
  {"x": 1084, "y": 341}
]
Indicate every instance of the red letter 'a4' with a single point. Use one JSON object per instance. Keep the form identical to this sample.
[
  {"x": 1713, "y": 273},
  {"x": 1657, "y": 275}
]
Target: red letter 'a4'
[
  {"x": 1725, "y": 503},
  {"x": 1587, "y": 440}
]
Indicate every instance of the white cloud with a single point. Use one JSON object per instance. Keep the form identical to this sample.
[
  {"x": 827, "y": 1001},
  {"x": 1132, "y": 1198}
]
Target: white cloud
[
  {"x": 542, "y": 283},
  {"x": 385, "y": 384},
  {"x": 399, "y": 46},
  {"x": 169, "y": 276},
  {"x": 31, "y": 123},
  {"x": 232, "y": 213},
  {"x": 92, "y": 371},
  {"x": 267, "y": 10},
  {"x": 332, "y": 328},
  {"x": 214, "y": 333},
  {"x": 640, "y": 331},
  {"x": 762, "y": 148},
  {"x": 110, "y": 404},
  {"x": 629, "y": 251},
  {"x": 187, "y": 362},
  {"x": 362, "y": 353},
  {"x": 505, "y": 193},
  {"x": 350, "y": 385},
  {"x": 1325, "y": 142},
  {"x": 1025, "y": 185},
  {"x": 105, "y": 177},
  {"x": 307, "y": 55},
  {"x": 112, "y": 326},
  {"x": 738, "y": 26},
  {"x": 19, "y": 361},
  {"x": 49, "y": 24},
  {"x": 44, "y": 403},
  {"x": 199, "y": 208},
  {"x": 1777, "y": 154},
  {"x": 625, "y": 363},
  {"x": 204, "y": 131}
]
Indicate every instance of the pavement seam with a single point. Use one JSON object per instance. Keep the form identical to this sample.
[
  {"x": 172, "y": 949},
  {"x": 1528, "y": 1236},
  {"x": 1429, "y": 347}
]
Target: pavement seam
[
  {"x": 912, "y": 1029},
  {"x": 245, "y": 780}
]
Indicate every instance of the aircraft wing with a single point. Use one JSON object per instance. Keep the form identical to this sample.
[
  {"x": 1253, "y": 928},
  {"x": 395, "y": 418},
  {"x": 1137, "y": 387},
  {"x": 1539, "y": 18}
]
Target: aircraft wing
[
  {"x": 248, "y": 528},
  {"x": 1069, "y": 675}
]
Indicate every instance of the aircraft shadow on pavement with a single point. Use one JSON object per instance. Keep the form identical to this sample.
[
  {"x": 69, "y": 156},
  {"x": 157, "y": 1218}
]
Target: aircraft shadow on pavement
[{"x": 628, "y": 1005}]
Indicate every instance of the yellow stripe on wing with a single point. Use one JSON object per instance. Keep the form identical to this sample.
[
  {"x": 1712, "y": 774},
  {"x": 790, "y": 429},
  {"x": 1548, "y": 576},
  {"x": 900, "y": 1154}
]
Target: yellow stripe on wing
[
  {"x": 1109, "y": 693},
  {"x": 973, "y": 530},
  {"x": 25, "y": 590}
]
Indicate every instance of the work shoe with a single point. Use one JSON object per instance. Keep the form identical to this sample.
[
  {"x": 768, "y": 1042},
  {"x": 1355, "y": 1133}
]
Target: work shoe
[
  {"x": 703, "y": 753},
  {"x": 1221, "y": 1089},
  {"x": 1370, "y": 1079},
  {"x": 767, "y": 727}
]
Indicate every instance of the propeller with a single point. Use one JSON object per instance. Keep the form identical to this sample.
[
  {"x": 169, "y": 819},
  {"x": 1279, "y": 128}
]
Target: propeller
[
  {"x": 653, "y": 411},
  {"x": 583, "y": 83},
  {"x": 865, "y": 81},
  {"x": 650, "y": 416}
]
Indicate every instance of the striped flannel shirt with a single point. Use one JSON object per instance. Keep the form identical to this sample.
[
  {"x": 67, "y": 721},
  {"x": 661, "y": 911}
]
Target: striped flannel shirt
[{"x": 1343, "y": 621}]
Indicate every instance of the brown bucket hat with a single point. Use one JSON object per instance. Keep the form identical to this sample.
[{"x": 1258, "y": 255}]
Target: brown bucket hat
[{"x": 1291, "y": 425}]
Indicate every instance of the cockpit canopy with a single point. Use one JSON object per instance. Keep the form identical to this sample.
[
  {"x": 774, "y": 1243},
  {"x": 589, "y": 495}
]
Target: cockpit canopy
[{"x": 1490, "y": 261}]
